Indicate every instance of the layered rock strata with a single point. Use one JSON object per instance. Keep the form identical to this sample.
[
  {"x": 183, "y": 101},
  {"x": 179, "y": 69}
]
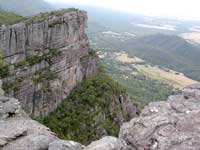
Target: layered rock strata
[{"x": 44, "y": 59}]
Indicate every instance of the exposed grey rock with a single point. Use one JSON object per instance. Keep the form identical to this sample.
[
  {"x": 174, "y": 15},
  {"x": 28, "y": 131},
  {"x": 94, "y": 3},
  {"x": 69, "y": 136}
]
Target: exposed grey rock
[
  {"x": 8, "y": 107},
  {"x": 192, "y": 91},
  {"x": 20, "y": 42},
  {"x": 108, "y": 143},
  {"x": 1, "y": 90},
  {"x": 19, "y": 132},
  {"x": 65, "y": 145},
  {"x": 173, "y": 124}
]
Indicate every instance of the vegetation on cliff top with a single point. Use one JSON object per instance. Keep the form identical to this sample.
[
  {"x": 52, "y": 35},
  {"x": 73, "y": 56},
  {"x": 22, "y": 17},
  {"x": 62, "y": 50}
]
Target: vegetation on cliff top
[
  {"x": 25, "y": 7},
  {"x": 46, "y": 15},
  {"x": 87, "y": 110},
  {"x": 8, "y": 18}
]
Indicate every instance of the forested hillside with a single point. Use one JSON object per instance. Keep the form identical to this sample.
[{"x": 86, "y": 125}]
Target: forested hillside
[
  {"x": 91, "y": 111},
  {"x": 168, "y": 51}
]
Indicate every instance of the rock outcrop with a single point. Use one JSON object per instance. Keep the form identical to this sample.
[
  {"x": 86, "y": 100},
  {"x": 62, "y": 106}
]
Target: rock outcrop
[
  {"x": 173, "y": 125},
  {"x": 44, "y": 59},
  {"x": 19, "y": 132}
]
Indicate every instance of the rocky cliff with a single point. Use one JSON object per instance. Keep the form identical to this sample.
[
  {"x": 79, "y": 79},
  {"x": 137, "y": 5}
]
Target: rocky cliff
[
  {"x": 19, "y": 132},
  {"x": 44, "y": 59},
  {"x": 173, "y": 125},
  {"x": 170, "y": 125}
]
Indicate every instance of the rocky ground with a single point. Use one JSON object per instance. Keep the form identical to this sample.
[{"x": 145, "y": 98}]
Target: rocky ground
[
  {"x": 174, "y": 125},
  {"x": 170, "y": 125}
]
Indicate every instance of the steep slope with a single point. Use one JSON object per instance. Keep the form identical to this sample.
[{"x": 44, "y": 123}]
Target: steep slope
[
  {"x": 25, "y": 7},
  {"x": 19, "y": 132},
  {"x": 96, "y": 107},
  {"x": 44, "y": 59},
  {"x": 169, "y": 51}
]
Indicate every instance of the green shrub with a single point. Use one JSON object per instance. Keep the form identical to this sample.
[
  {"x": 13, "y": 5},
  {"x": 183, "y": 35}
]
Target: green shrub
[
  {"x": 4, "y": 71},
  {"x": 46, "y": 15}
]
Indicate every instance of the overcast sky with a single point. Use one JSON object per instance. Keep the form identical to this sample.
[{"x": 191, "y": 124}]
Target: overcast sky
[{"x": 175, "y": 8}]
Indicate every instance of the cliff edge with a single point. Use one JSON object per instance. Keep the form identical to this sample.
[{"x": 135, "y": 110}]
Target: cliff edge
[
  {"x": 173, "y": 125},
  {"x": 44, "y": 57},
  {"x": 19, "y": 132}
]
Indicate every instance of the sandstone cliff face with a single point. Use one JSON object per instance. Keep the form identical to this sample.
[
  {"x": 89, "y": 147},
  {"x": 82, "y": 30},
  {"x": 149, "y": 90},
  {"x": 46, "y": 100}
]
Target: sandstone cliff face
[{"x": 45, "y": 59}]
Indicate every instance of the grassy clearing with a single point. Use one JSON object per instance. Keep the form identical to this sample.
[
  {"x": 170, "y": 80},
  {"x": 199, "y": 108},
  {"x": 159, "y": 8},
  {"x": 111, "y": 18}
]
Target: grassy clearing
[
  {"x": 178, "y": 80},
  {"x": 192, "y": 36},
  {"x": 125, "y": 58}
]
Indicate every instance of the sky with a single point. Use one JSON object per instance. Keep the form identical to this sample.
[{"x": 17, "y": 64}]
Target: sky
[{"x": 169, "y": 8}]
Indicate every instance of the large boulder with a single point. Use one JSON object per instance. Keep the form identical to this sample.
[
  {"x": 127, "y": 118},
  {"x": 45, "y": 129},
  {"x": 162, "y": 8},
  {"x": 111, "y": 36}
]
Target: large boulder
[
  {"x": 108, "y": 143},
  {"x": 65, "y": 145},
  {"x": 173, "y": 125},
  {"x": 18, "y": 131}
]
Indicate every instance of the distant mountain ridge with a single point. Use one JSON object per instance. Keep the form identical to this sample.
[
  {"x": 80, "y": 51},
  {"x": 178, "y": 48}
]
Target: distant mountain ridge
[
  {"x": 169, "y": 51},
  {"x": 25, "y": 7}
]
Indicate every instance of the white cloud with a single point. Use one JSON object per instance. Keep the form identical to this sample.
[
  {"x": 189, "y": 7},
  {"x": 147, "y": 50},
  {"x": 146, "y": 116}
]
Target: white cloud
[{"x": 177, "y": 8}]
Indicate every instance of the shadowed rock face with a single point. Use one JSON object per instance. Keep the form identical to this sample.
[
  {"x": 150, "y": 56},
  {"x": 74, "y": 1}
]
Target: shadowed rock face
[
  {"x": 174, "y": 124},
  {"x": 45, "y": 59}
]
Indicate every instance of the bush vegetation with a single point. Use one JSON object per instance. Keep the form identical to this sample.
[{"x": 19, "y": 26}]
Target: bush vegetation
[
  {"x": 77, "y": 118},
  {"x": 46, "y": 15},
  {"x": 8, "y": 18}
]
